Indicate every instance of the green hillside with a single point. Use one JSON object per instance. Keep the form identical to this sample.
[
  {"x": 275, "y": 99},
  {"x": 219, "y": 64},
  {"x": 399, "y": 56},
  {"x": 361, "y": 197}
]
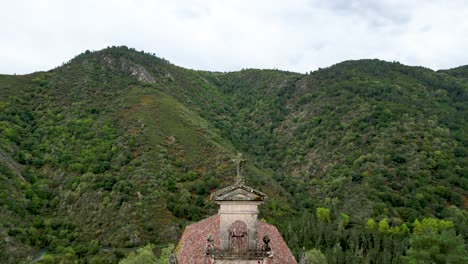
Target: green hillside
[{"x": 117, "y": 148}]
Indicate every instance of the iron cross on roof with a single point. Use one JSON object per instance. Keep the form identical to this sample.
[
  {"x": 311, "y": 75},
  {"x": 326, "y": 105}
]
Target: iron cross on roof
[{"x": 239, "y": 161}]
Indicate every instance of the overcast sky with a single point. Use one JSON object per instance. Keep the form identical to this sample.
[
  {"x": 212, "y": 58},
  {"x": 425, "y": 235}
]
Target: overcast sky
[{"x": 228, "y": 35}]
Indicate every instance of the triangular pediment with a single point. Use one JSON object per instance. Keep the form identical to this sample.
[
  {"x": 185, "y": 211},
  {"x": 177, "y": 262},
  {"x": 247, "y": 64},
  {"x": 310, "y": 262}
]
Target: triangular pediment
[{"x": 238, "y": 193}]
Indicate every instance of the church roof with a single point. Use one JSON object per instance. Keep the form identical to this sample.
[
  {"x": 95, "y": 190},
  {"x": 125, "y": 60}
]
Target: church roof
[
  {"x": 238, "y": 192},
  {"x": 193, "y": 242}
]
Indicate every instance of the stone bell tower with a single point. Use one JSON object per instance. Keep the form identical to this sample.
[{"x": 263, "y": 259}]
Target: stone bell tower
[
  {"x": 238, "y": 214},
  {"x": 234, "y": 235}
]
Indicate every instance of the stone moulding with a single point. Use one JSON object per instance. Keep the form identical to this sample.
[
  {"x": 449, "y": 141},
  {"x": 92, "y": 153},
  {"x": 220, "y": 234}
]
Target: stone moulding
[
  {"x": 238, "y": 192},
  {"x": 248, "y": 255}
]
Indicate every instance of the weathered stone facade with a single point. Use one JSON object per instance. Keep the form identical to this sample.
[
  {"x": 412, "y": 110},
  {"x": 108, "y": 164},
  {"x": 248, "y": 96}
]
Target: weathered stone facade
[
  {"x": 240, "y": 205},
  {"x": 234, "y": 235},
  {"x": 192, "y": 247}
]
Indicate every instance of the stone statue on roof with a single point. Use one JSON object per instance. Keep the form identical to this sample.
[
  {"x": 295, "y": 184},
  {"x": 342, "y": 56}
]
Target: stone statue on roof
[{"x": 239, "y": 161}]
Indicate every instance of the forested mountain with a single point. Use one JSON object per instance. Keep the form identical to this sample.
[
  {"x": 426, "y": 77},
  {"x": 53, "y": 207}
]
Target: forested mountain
[{"x": 364, "y": 161}]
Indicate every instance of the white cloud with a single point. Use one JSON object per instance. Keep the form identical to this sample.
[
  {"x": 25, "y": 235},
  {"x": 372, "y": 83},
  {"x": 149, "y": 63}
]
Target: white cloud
[{"x": 229, "y": 35}]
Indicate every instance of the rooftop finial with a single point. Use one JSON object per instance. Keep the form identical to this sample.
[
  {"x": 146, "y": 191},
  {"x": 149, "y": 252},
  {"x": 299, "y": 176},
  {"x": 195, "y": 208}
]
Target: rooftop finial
[{"x": 239, "y": 162}]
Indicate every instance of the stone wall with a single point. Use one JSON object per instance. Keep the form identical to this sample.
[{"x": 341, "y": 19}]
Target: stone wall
[
  {"x": 231, "y": 211},
  {"x": 232, "y": 261}
]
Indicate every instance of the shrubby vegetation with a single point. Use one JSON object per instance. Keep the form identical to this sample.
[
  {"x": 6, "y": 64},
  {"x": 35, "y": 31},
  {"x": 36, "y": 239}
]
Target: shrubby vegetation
[
  {"x": 429, "y": 240},
  {"x": 146, "y": 255},
  {"x": 364, "y": 161}
]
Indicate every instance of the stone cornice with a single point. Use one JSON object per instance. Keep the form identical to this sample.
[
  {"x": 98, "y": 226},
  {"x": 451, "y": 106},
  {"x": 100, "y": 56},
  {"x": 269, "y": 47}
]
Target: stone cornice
[{"x": 238, "y": 192}]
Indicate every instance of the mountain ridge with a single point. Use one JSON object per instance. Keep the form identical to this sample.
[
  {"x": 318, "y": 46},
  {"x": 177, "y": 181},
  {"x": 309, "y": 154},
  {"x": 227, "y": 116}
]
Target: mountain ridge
[{"x": 121, "y": 148}]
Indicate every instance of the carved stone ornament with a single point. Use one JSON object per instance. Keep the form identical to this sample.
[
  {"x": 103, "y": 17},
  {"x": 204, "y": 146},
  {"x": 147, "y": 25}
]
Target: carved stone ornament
[
  {"x": 239, "y": 161},
  {"x": 266, "y": 241},
  {"x": 238, "y": 236},
  {"x": 210, "y": 249}
]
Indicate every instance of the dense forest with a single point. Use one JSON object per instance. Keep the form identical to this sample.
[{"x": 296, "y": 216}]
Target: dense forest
[{"x": 109, "y": 156}]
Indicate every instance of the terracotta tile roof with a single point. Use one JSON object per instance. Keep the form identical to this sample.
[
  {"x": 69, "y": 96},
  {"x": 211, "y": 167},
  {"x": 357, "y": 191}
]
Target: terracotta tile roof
[{"x": 193, "y": 242}]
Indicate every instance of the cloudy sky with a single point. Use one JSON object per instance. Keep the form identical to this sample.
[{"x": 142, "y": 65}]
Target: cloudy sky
[{"x": 295, "y": 35}]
